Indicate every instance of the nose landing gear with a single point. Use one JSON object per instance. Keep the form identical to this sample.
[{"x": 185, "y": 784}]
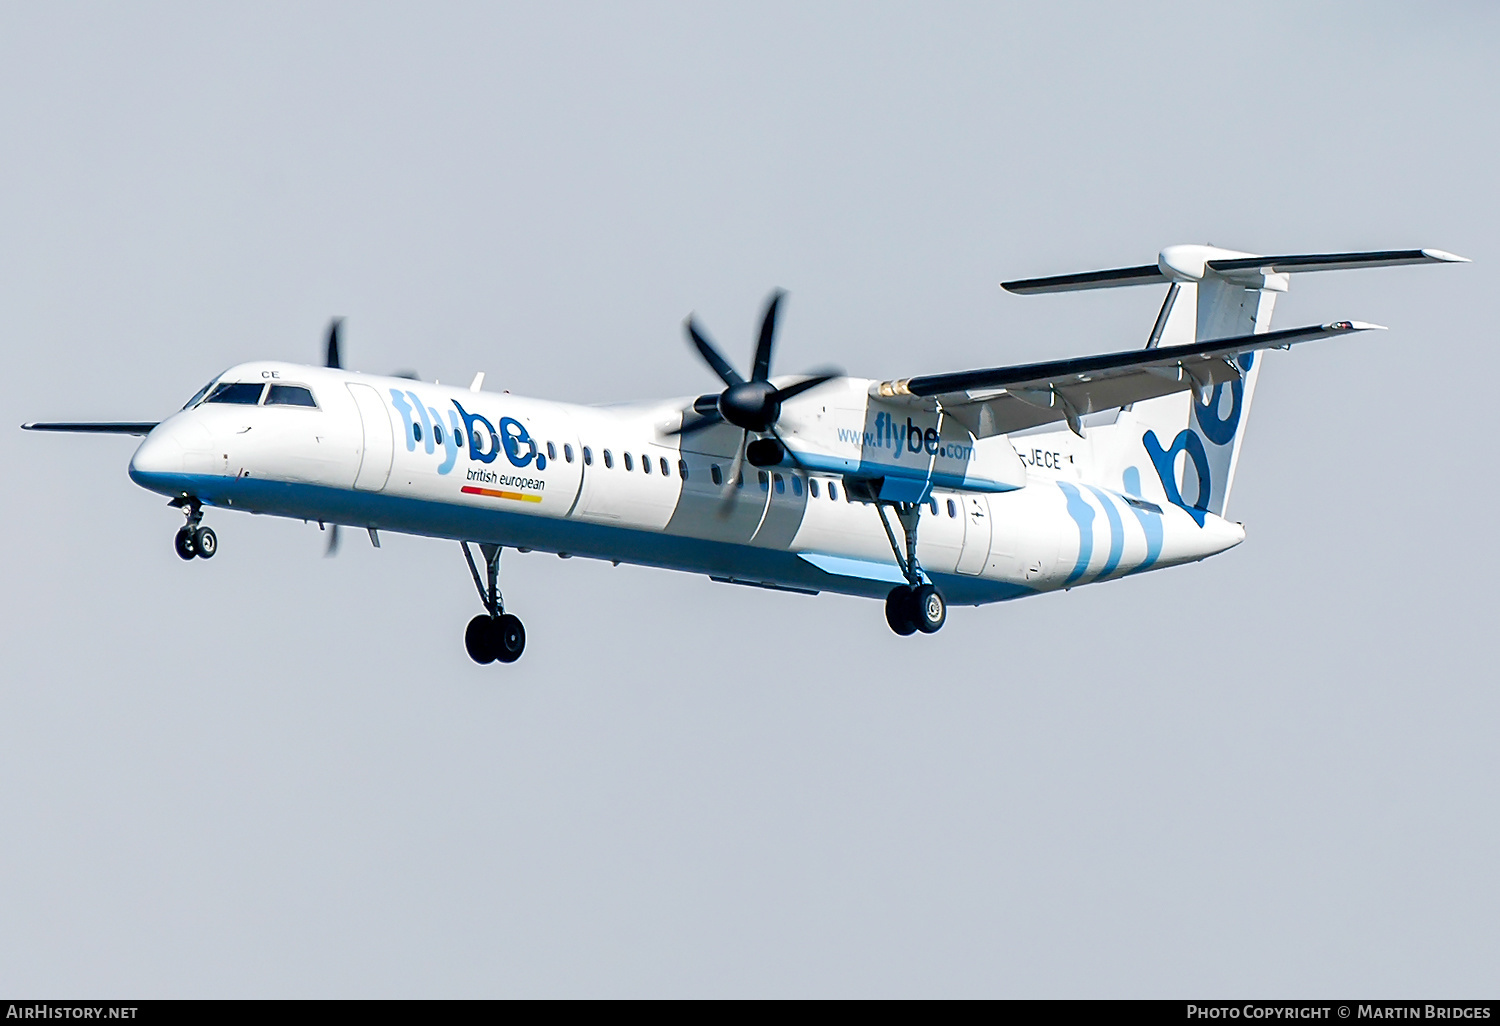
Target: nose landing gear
[
  {"x": 495, "y": 636},
  {"x": 193, "y": 538}
]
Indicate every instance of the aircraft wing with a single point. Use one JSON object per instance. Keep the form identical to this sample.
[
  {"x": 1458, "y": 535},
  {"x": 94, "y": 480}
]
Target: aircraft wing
[
  {"x": 999, "y": 400},
  {"x": 94, "y": 427}
]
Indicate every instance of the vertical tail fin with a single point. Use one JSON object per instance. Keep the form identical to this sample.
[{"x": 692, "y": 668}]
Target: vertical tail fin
[
  {"x": 1214, "y": 293},
  {"x": 1218, "y": 306}
]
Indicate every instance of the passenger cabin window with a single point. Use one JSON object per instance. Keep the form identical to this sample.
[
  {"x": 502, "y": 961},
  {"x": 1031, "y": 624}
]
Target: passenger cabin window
[
  {"x": 666, "y": 471},
  {"x": 237, "y": 393},
  {"x": 716, "y": 474},
  {"x": 628, "y": 464},
  {"x": 833, "y": 490},
  {"x": 932, "y": 504},
  {"x": 588, "y": 456},
  {"x": 437, "y": 433},
  {"x": 290, "y": 395},
  {"x": 551, "y": 451},
  {"x": 780, "y": 485},
  {"x": 567, "y": 452},
  {"x": 681, "y": 469},
  {"x": 796, "y": 485},
  {"x": 765, "y": 481},
  {"x": 952, "y": 509},
  {"x": 645, "y": 464},
  {"x": 416, "y": 432},
  {"x": 609, "y": 460},
  {"x": 812, "y": 487}
]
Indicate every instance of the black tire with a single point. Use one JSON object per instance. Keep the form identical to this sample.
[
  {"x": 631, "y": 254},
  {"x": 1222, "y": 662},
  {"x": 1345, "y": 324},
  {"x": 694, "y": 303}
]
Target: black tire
[
  {"x": 183, "y": 543},
  {"x": 478, "y": 639},
  {"x": 927, "y": 609},
  {"x": 508, "y": 638},
  {"x": 898, "y": 610},
  {"x": 206, "y": 542}
]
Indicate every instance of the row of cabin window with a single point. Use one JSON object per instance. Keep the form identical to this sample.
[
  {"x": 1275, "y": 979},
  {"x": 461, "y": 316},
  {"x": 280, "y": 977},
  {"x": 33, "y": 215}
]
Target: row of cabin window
[
  {"x": 766, "y": 480},
  {"x": 629, "y": 460},
  {"x": 588, "y": 453}
]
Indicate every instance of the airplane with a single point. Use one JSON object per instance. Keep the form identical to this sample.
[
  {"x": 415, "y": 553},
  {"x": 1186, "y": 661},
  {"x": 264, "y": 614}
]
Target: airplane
[{"x": 963, "y": 488}]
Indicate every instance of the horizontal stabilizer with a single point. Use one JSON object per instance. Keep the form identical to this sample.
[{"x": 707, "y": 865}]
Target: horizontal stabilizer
[
  {"x": 1197, "y": 263},
  {"x": 95, "y": 427},
  {"x": 1336, "y": 261},
  {"x": 1146, "y": 274}
]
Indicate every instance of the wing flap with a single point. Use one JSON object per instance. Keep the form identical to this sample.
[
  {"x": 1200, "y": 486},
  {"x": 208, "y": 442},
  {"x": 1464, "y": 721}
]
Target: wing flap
[{"x": 1000, "y": 400}]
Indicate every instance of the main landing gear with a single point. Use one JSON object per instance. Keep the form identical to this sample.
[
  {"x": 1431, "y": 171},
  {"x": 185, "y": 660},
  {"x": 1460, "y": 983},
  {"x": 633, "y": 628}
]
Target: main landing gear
[
  {"x": 495, "y": 636},
  {"x": 193, "y": 538},
  {"x": 916, "y": 605}
]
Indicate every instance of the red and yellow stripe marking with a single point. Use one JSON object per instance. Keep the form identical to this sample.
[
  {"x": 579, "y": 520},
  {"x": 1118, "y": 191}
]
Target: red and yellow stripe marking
[{"x": 495, "y": 493}]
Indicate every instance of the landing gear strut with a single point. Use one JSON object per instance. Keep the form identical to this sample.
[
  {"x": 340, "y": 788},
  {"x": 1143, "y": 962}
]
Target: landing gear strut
[
  {"x": 193, "y": 538},
  {"x": 494, "y": 636},
  {"x": 916, "y": 605}
]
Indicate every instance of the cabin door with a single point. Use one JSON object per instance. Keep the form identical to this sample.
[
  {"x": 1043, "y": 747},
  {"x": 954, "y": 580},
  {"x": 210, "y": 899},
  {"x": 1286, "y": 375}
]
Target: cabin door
[
  {"x": 379, "y": 444},
  {"x": 976, "y": 550}
]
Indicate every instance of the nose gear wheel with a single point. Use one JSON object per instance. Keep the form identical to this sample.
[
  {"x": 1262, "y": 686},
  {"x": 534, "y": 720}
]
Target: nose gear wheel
[{"x": 194, "y": 539}]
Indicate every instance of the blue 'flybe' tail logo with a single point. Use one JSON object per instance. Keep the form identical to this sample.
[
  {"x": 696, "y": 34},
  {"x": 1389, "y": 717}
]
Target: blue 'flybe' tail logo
[{"x": 1211, "y": 461}]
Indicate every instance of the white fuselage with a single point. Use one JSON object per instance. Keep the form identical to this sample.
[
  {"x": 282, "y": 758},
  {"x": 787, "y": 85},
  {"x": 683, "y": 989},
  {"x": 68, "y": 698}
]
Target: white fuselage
[{"x": 999, "y": 519}]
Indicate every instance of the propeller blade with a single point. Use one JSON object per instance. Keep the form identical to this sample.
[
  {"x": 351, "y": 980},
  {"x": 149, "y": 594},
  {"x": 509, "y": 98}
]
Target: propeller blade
[
  {"x": 739, "y": 462},
  {"x": 331, "y": 356},
  {"x": 333, "y": 541},
  {"x": 696, "y": 422},
  {"x": 762, "y": 369},
  {"x": 721, "y": 366},
  {"x": 730, "y": 493},
  {"x": 798, "y": 387}
]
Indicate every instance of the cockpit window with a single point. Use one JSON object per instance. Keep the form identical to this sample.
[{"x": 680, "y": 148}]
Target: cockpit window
[
  {"x": 198, "y": 396},
  {"x": 236, "y": 393},
  {"x": 290, "y": 395}
]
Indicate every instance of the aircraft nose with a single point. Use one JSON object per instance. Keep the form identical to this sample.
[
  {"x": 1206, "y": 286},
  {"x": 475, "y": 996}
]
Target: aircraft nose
[{"x": 158, "y": 459}]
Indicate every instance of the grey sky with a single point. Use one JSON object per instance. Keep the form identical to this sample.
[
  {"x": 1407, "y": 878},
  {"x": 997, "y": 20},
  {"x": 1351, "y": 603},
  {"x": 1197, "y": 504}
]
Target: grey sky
[{"x": 1273, "y": 773}]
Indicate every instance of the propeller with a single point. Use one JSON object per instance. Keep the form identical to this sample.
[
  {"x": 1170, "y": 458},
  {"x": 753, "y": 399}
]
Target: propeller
[
  {"x": 753, "y": 406},
  {"x": 331, "y": 355},
  {"x": 331, "y": 358}
]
